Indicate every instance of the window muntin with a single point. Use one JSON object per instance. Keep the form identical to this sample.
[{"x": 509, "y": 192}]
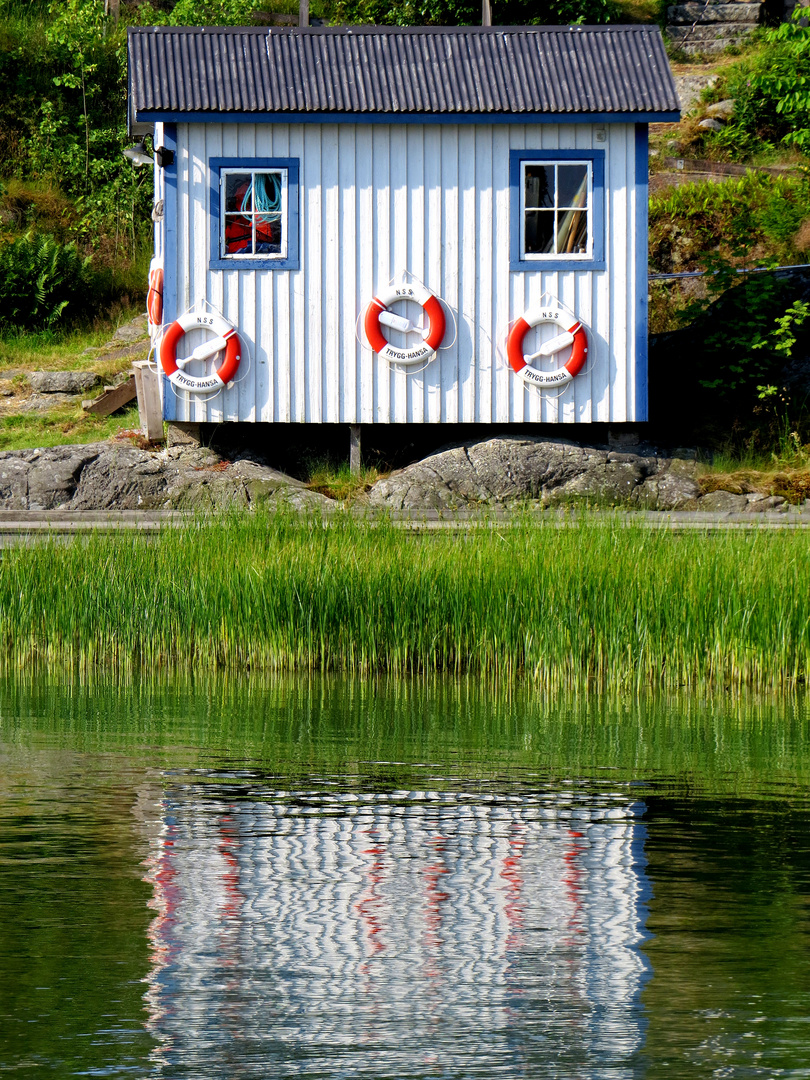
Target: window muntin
[
  {"x": 556, "y": 210},
  {"x": 254, "y": 223}
]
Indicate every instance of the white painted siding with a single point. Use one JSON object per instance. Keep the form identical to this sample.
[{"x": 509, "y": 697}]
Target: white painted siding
[{"x": 432, "y": 200}]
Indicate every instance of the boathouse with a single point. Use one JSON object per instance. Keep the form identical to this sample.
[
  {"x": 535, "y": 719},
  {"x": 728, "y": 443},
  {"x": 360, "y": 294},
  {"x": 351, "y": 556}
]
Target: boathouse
[{"x": 374, "y": 225}]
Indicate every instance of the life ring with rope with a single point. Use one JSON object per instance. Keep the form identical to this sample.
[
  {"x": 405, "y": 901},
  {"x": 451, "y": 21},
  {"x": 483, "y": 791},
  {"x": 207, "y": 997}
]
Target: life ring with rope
[
  {"x": 225, "y": 339},
  {"x": 572, "y": 333},
  {"x": 154, "y": 295},
  {"x": 378, "y": 314}
]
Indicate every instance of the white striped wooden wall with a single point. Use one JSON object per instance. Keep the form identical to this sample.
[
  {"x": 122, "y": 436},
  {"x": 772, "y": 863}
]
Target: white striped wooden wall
[{"x": 433, "y": 200}]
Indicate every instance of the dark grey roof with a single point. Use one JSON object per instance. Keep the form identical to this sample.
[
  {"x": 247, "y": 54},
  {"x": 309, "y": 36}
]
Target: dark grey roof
[{"x": 389, "y": 71}]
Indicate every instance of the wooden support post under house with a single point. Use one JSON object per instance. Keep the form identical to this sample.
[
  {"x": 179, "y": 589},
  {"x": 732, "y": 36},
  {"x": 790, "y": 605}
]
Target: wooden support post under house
[
  {"x": 150, "y": 408},
  {"x": 303, "y": 12},
  {"x": 354, "y": 449},
  {"x": 486, "y": 13}
]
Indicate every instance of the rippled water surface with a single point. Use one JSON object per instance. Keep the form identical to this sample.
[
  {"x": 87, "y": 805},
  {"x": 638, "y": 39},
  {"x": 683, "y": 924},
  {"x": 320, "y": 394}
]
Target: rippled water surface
[{"x": 332, "y": 879}]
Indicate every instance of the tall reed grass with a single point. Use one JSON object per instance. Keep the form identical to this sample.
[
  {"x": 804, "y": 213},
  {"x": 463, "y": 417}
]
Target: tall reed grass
[{"x": 603, "y": 602}]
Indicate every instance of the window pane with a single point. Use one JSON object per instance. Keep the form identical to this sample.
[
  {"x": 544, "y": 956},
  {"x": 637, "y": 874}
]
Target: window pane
[
  {"x": 539, "y": 232},
  {"x": 539, "y": 181},
  {"x": 572, "y": 182},
  {"x": 572, "y": 232},
  {"x": 267, "y": 196},
  {"x": 237, "y": 192},
  {"x": 238, "y": 238}
]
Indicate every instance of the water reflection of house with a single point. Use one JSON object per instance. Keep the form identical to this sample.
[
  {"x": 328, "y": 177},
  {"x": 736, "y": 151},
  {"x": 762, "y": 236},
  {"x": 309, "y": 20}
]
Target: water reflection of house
[{"x": 334, "y": 934}]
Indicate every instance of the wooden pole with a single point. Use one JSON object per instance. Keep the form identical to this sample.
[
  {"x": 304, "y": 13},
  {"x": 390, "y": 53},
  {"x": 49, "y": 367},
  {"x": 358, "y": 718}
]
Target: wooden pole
[
  {"x": 486, "y": 13},
  {"x": 303, "y": 12},
  {"x": 354, "y": 449}
]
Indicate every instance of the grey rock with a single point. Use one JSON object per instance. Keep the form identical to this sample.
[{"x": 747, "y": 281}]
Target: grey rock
[
  {"x": 54, "y": 486},
  {"x": 690, "y": 87},
  {"x": 759, "y": 503},
  {"x": 723, "y": 502},
  {"x": 711, "y": 125},
  {"x": 117, "y": 476},
  {"x": 63, "y": 382},
  {"x": 694, "y": 11},
  {"x": 708, "y": 39},
  {"x": 721, "y": 110},
  {"x": 508, "y": 469},
  {"x": 134, "y": 330},
  {"x": 44, "y": 402}
]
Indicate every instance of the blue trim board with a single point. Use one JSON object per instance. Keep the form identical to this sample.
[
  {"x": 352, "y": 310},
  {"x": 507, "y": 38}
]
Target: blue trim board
[
  {"x": 291, "y": 261},
  {"x": 641, "y": 284},
  {"x": 170, "y": 311},
  {"x": 597, "y": 159},
  {"x": 151, "y": 116}
]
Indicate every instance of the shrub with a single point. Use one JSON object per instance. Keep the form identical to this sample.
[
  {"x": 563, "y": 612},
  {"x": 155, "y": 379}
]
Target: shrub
[
  {"x": 772, "y": 94},
  {"x": 39, "y": 279},
  {"x": 756, "y": 211}
]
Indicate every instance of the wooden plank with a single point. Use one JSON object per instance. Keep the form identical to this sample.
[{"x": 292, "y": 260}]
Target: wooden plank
[
  {"x": 149, "y": 404},
  {"x": 354, "y": 449},
  {"x": 115, "y": 398}
]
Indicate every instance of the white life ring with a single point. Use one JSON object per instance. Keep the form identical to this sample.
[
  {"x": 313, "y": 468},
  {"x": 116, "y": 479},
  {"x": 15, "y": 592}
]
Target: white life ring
[
  {"x": 225, "y": 337},
  {"x": 377, "y": 314},
  {"x": 573, "y": 333}
]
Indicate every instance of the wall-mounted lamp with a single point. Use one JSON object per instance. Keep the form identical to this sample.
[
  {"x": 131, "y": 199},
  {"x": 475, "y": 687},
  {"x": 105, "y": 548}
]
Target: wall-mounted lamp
[{"x": 138, "y": 154}]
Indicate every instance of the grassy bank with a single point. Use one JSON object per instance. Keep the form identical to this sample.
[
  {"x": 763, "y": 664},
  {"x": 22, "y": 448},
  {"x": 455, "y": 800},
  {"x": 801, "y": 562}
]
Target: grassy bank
[{"x": 617, "y": 605}]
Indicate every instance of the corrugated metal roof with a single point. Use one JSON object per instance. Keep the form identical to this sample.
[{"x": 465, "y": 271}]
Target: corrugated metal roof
[{"x": 386, "y": 70}]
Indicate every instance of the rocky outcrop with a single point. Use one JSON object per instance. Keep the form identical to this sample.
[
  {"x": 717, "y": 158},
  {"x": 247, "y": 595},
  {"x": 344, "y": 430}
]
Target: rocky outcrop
[
  {"x": 63, "y": 382},
  {"x": 508, "y": 470},
  {"x": 118, "y": 476},
  {"x": 492, "y": 474}
]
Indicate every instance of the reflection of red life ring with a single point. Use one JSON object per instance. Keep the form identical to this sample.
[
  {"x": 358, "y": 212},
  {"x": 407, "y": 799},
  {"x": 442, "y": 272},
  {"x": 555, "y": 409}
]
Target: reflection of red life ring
[
  {"x": 154, "y": 296},
  {"x": 377, "y": 312},
  {"x": 573, "y": 333},
  {"x": 226, "y": 338}
]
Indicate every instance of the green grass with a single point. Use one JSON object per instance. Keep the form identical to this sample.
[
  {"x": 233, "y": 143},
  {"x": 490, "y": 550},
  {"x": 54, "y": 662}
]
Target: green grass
[
  {"x": 61, "y": 425},
  {"x": 336, "y": 480},
  {"x": 62, "y": 349},
  {"x": 599, "y": 604}
]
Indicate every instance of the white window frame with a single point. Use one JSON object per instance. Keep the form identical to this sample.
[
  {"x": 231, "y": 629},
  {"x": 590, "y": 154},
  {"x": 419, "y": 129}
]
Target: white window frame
[
  {"x": 554, "y": 256},
  {"x": 224, "y": 216}
]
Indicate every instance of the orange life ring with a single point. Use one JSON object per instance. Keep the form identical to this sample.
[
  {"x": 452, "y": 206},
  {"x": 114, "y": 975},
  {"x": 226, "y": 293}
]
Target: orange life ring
[
  {"x": 154, "y": 295},
  {"x": 573, "y": 333},
  {"x": 226, "y": 338},
  {"x": 377, "y": 313}
]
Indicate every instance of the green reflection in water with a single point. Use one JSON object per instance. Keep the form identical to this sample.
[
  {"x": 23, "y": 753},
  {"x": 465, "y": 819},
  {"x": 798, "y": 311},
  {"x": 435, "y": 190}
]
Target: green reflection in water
[
  {"x": 390, "y": 730},
  {"x": 725, "y": 782}
]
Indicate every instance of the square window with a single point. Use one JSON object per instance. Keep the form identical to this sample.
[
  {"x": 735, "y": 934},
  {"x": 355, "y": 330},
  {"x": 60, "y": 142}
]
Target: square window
[
  {"x": 562, "y": 226},
  {"x": 255, "y": 222},
  {"x": 254, "y": 214},
  {"x": 556, "y": 209}
]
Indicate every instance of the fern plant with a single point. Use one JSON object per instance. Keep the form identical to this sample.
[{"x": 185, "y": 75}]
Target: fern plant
[{"x": 39, "y": 280}]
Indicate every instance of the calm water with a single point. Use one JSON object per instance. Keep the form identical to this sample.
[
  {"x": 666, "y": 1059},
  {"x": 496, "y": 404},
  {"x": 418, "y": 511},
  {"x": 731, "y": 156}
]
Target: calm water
[{"x": 331, "y": 879}]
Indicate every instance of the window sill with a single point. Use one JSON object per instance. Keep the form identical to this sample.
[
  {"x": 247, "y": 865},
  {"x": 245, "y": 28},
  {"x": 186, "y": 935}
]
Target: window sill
[
  {"x": 523, "y": 265},
  {"x": 253, "y": 264}
]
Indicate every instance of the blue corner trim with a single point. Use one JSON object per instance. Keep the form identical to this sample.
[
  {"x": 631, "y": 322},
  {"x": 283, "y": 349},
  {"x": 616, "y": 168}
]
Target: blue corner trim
[
  {"x": 642, "y": 203},
  {"x": 291, "y": 261},
  {"x": 597, "y": 159},
  {"x": 170, "y": 309},
  {"x": 151, "y": 116}
]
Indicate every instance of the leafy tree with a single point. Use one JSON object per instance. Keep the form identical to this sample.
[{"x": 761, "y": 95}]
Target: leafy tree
[{"x": 468, "y": 12}]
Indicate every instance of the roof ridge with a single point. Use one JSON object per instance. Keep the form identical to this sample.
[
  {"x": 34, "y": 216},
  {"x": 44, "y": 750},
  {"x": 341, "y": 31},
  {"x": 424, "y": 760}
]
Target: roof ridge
[{"x": 398, "y": 30}]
